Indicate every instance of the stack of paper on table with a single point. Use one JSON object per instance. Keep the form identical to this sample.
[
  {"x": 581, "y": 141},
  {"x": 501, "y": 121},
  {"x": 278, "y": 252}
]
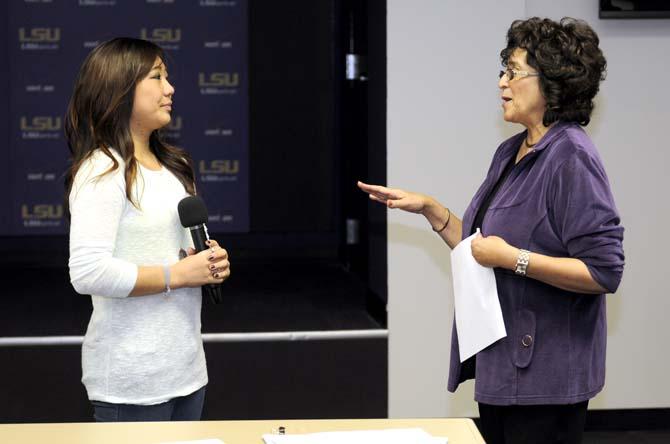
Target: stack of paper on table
[
  {"x": 388, "y": 436},
  {"x": 197, "y": 441}
]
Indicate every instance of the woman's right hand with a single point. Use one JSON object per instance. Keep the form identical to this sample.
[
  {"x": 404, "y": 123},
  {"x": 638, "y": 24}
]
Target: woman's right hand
[
  {"x": 396, "y": 198},
  {"x": 209, "y": 266}
]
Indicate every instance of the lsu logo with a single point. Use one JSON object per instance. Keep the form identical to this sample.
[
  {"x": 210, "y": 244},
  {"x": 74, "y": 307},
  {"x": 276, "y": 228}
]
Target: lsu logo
[
  {"x": 175, "y": 124},
  {"x": 41, "y": 123},
  {"x": 39, "y": 35},
  {"x": 161, "y": 35},
  {"x": 219, "y": 166},
  {"x": 218, "y": 79},
  {"x": 41, "y": 211}
]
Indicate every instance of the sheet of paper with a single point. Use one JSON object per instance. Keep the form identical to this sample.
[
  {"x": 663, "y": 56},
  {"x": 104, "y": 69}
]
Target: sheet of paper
[
  {"x": 479, "y": 320},
  {"x": 199, "y": 441},
  {"x": 387, "y": 436}
]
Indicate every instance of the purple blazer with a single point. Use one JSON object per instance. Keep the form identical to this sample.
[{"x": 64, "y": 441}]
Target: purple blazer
[{"x": 557, "y": 201}]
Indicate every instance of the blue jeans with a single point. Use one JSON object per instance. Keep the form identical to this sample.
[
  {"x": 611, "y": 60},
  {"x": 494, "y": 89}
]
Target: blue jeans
[{"x": 183, "y": 408}]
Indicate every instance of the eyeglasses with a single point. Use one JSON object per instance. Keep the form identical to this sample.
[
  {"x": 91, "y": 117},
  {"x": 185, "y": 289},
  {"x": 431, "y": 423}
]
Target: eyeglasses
[{"x": 513, "y": 74}]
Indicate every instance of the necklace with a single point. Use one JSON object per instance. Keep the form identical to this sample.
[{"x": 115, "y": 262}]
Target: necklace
[{"x": 528, "y": 145}]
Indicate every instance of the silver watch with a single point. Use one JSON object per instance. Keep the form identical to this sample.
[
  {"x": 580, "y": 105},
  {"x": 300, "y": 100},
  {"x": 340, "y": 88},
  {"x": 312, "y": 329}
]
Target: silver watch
[{"x": 522, "y": 262}]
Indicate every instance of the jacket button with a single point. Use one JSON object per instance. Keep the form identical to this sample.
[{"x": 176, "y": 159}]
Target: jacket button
[{"x": 527, "y": 340}]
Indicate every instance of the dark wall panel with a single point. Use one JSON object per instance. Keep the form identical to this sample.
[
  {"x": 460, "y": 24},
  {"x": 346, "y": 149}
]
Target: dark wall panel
[
  {"x": 259, "y": 380},
  {"x": 292, "y": 116}
]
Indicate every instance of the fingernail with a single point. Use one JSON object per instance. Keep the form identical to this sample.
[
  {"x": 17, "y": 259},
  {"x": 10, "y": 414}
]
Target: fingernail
[
  {"x": 211, "y": 257},
  {"x": 216, "y": 275},
  {"x": 211, "y": 267}
]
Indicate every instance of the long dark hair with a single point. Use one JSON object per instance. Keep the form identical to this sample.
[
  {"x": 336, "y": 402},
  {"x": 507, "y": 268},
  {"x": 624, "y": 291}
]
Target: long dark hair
[{"x": 98, "y": 115}]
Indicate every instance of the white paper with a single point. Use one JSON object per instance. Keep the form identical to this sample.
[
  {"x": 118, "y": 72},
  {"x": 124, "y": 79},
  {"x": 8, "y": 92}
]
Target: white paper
[
  {"x": 199, "y": 441},
  {"x": 387, "y": 436},
  {"x": 479, "y": 320}
]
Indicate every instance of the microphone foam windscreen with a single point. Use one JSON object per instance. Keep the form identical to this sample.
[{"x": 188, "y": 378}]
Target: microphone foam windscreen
[{"x": 192, "y": 211}]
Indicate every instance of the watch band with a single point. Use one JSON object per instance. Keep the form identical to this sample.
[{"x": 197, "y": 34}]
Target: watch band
[{"x": 522, "y": 262}]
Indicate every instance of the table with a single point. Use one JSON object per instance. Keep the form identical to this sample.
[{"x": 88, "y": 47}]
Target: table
[{"x": 458, "y": 430}]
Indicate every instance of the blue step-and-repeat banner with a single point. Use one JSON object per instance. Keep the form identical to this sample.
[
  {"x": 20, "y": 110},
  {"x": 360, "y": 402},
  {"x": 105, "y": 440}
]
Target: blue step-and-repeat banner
[{"x": 47, "y": 40}]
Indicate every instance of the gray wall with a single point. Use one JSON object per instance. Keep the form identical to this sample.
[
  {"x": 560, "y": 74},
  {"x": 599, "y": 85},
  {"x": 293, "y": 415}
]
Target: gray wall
[{"x": 444, "y": 123}]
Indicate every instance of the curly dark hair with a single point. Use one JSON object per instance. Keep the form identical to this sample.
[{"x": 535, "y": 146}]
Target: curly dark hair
[{"x": 570, "y": 63}]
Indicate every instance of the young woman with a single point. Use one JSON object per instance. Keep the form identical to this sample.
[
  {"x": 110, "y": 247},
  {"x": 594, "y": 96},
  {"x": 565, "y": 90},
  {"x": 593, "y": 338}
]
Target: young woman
[{"x": 142, "y": 356}]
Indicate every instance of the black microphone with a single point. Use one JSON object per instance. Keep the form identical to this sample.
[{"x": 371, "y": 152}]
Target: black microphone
[{"x": 193, "y": 215}]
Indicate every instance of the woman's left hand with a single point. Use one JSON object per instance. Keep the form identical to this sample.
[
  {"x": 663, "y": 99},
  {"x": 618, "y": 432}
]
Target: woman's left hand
[
  {"x": 220, "y": 266},
  {"x": 493, "y": 251}
]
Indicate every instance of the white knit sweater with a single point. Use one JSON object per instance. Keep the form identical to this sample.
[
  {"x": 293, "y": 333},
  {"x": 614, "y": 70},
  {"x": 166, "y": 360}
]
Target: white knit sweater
[{"x": 137, "y": 350}]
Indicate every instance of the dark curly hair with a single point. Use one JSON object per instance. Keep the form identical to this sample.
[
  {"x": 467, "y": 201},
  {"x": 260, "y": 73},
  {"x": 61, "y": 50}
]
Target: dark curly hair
[{"x": 570, "y": 63}]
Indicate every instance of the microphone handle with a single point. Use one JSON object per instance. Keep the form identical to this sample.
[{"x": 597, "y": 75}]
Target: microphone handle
[{"x": 199, "y": 236}]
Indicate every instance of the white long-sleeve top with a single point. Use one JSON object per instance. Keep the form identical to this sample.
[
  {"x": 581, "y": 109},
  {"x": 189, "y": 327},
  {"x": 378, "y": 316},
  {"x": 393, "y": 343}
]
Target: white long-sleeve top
[{"x": 137, "y": 350}]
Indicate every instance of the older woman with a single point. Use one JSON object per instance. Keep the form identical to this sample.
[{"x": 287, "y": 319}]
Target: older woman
[{"x": 550, "y": 229}]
